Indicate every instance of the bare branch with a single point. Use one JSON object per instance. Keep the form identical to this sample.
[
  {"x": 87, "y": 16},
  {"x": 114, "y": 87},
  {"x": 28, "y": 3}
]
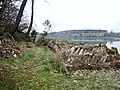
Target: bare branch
[{"x": 46, "y": 2}]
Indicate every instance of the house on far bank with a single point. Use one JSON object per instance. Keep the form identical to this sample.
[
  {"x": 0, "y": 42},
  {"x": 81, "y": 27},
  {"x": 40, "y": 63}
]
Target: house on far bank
[
  {"x": 80, "y": 33},
  {"x": 85, "y": 35},
  {"x": 112, "y": 34},
  {"x": 90, "y": 33}
]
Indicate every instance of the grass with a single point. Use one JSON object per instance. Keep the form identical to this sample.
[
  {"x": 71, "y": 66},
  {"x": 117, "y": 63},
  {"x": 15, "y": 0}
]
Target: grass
[{"x": 34, "y": 71}]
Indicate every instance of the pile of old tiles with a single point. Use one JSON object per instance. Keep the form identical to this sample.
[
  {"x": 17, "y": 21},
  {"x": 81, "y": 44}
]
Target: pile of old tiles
[
  {"x": 86, "y": 56},
  {"x": 93, "y": 57},
  {"x": 9, "y": 48}
]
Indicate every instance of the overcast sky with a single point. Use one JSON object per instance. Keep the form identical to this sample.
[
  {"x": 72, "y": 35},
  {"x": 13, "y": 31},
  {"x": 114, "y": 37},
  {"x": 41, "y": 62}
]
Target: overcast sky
[{"x": 77, "y": 14}]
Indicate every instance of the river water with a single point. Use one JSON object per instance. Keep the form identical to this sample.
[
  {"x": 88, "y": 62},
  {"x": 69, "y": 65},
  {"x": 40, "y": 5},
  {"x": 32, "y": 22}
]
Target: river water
[{"x": 114, "y": 44}]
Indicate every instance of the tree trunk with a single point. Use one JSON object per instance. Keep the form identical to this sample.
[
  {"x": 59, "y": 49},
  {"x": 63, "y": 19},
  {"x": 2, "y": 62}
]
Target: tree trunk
[
  {"x": 31, "y": 23},
  {"x": 19, "y": 16}
]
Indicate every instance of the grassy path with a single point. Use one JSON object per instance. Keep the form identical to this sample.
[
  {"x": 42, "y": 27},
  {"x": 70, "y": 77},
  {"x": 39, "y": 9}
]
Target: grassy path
[{"x": 34, "y": 71}]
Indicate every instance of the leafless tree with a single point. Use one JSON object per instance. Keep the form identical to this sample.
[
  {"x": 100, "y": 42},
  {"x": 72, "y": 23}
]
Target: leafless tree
[
  {"x": 19, "y": 16},
  {"x": 31, "y": 23}
]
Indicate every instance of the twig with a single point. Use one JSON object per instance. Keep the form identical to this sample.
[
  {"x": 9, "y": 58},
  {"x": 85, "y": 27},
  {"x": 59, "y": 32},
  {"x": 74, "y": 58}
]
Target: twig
[
  {"x": 11, "y": 36},
  {"x": 46, "y": 2}
]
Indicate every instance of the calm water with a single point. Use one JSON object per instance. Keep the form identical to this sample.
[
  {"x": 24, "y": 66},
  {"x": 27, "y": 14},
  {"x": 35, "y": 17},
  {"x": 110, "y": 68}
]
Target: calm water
[{"x": 114, "y": 44}]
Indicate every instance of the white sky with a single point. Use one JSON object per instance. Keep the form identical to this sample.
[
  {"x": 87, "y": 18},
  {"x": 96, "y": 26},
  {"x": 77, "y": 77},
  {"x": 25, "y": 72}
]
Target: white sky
[{"x": 77, "y": 14}]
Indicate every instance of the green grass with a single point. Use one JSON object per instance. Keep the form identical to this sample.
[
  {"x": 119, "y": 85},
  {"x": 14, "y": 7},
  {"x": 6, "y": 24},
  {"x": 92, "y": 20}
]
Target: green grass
[
  {"x": 3, "y": 87},
  {"x": 34, "y": 71}
]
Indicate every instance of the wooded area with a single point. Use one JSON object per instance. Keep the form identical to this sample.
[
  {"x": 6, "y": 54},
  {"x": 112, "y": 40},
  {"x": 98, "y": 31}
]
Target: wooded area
[{"x": 12, "y": 19}]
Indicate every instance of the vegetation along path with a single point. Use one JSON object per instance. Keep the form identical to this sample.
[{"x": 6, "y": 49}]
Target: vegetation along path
[{"x": 36, "y": 71}]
